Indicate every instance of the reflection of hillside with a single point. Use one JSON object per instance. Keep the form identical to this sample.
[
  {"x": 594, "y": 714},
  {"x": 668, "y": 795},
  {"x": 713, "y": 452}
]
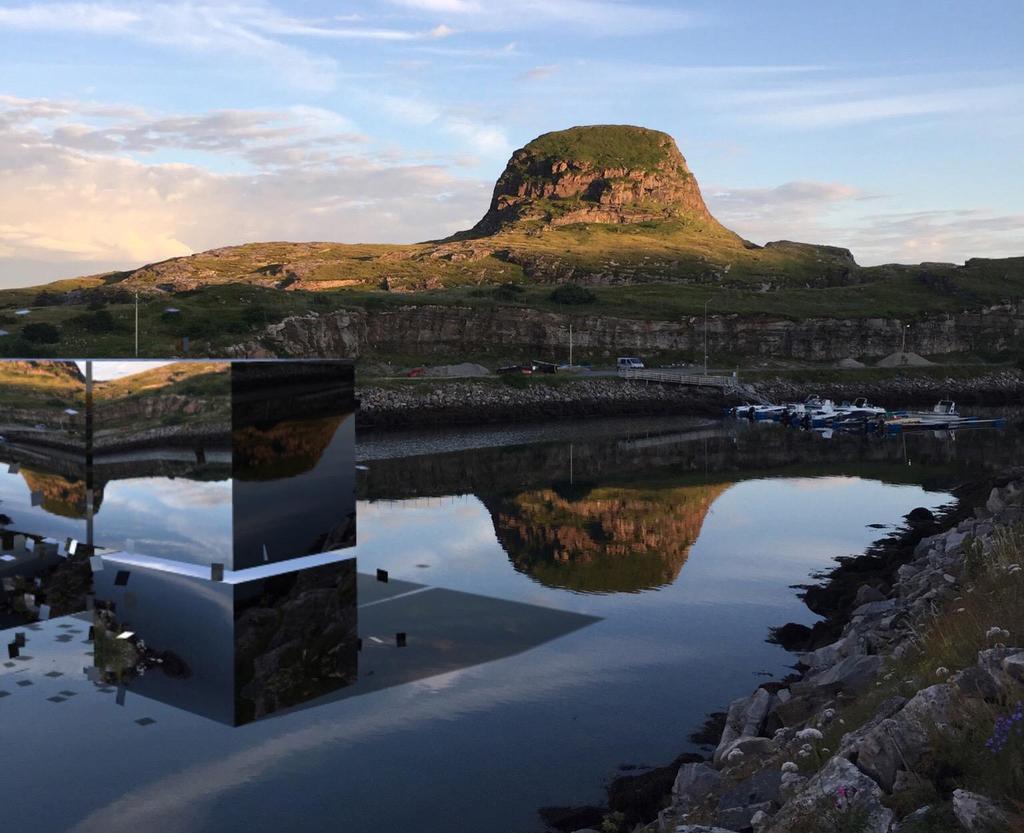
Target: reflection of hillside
[
  {"x": 282, "y": 450},
  {"x": 55, "y": 382},
  {"x": 611, "y": 539},
  {"x": 60, "y": 495},
  {"x": 176, "y": 404}
]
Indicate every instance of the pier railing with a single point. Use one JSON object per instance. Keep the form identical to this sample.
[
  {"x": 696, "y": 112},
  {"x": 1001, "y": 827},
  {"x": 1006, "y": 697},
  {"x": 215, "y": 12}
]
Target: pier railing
[{"x": 677, "y": 377}]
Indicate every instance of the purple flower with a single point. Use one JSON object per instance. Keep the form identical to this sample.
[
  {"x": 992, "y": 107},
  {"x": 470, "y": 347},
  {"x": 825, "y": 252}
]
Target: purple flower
[{"x": 1006, "y": 727}]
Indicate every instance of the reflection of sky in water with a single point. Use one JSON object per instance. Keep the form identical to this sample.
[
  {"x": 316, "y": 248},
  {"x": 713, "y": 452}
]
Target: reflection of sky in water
[
  {"x": 177, "y": 518},
  {"x": 545, "y": 727},
  {"x": 16, "y": 503}
]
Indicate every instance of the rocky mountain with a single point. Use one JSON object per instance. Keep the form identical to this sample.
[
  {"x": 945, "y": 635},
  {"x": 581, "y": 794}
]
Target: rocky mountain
[
  {"x": 613, "y": 210},
  {"x": 598, "y": 174}
]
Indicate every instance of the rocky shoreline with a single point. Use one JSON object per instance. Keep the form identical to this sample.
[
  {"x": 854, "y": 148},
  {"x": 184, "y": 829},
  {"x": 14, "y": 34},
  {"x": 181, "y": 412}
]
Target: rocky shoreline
[
  {"x": 473, "y": 401},
  {"x": 791, "y": 758},
  {"x": 479, "y": 401}
]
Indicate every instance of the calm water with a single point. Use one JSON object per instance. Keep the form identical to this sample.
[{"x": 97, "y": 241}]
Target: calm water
[{"x": 574, "y": 599}]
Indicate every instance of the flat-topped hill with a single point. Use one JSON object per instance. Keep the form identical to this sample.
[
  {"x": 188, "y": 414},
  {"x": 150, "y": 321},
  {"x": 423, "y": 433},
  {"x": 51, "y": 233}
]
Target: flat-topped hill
[{"x": 595, "y": 174}]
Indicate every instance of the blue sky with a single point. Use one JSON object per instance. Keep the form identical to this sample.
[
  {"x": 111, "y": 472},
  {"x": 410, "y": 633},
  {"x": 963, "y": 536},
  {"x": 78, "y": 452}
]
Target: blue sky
[{"x": 134, "y": 131}]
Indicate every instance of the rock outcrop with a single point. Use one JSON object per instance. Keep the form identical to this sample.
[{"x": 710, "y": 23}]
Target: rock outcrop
[{"x": 595, "y": 174}]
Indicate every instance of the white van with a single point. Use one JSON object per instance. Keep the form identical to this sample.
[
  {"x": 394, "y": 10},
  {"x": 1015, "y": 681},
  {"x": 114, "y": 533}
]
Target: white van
[{"x": 630, "y": 363}]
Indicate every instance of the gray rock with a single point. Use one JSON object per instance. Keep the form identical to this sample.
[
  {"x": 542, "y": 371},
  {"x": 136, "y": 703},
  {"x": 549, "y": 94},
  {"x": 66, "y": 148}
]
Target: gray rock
[
  {"x": 838, "y": 772},
  {"x": 873, "y": 610},
  {"x": 851, "y": 675},
  {"x": 745, "y": 718},
  {"x": 913, "y": 822},
  {"x": 884, "y": 747},
  {"x": 700, "y": 828},
  {"x": 995, "y": 504},
  {"x": 758, "y": 793},
  {"x": 693, "y": 784},
  {"x": 978, "y": 814},
  {"x": 977, "y": 683},
  {"x": 1013, "y": 667},
  {"x": 750, "y": 747},
  {"x": 759, "y": 821},
  {"x": 867, "y": 594}
]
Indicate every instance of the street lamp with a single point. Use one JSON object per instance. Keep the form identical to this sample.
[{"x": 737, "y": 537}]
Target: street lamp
[
  {"x": 903, "y": 348},
  {"x": 708, "y": 301}
]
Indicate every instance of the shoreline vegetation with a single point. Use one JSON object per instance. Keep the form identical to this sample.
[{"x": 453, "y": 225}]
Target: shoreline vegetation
[{"x": 905, "y": 711}]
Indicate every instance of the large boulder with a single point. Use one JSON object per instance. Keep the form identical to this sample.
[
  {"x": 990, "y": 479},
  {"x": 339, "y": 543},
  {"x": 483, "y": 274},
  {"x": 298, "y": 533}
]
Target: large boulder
[
  {"x": 693, "y": 784},
  {"x": 758, "y": 793},
  {"x": 889, "y": 744},
  {"x": 821, "y": 796},
  {"x": 978, "y": 814},
  {"x": 745, "y": 718},
  {"x": 852, "y": 675}
]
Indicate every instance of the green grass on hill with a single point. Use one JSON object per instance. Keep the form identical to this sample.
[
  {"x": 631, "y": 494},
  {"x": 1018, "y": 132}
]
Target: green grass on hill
[{"x": 608, "y": 145}]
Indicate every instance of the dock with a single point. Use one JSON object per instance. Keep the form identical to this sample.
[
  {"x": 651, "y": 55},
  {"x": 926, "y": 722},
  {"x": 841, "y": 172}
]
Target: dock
[{"x": 678, "y": 377}]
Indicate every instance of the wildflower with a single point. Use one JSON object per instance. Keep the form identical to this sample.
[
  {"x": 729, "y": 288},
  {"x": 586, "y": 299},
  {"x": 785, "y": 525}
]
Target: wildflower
[
  {"x": 960, "y": 610},
  {"x": 809, "y": 734},
  {"x": 942, "y": 671},
  {"x": 826, "y": 751},
  {"x": 1005, "y": 728},
  {"x": 995, "y": 632},
  {"x": 829, "y": 714},
  {"x": 804, "y": 753},
  {"x": 789, "y": 766},
  {"x": 807, "y": 748},
  {"x": 734, "y": 756}
]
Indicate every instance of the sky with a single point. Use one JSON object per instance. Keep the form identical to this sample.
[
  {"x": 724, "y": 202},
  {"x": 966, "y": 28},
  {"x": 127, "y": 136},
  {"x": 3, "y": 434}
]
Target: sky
[{"x": 137, "y": 131}]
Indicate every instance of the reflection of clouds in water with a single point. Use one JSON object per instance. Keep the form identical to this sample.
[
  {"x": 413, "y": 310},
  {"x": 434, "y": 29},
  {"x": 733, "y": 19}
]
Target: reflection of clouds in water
[
  {"x": 159, "y": 805},
  {"x": 426, "y": 530},
  {"x": 817, "y": 484},
  {"x": 154, "y": 510},
  {"x": 179, "y": 493}
]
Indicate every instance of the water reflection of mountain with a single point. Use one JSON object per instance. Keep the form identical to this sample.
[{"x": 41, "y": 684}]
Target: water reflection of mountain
[
  {"x": 603, "y": 539},
  {"x": 605, "y": 536}
]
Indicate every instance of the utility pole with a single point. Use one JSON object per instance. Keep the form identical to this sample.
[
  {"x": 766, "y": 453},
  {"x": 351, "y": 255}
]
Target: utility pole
[
  {"x": 570, "y": 345},
  {"x": 136, "y": 324},
  {"x": 903, "y": 349},
  {"x": 708, "y": 301}
]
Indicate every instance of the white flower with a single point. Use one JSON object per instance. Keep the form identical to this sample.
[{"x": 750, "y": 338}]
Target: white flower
[
  {"x": 826, "y": 751},
  {"x": 995, "y": 632},
  {"x": 809, "y": 734},
  {"x": 789, "y": 766},
  {"x": 829, "y": 714},
  {"x": 960, "y": 610},
  {"x": 942, "y": 671},
  {"x": 807, "y": 748},
  {"x": 803, "y": 753},
  {"x": 734, "y": 756}
]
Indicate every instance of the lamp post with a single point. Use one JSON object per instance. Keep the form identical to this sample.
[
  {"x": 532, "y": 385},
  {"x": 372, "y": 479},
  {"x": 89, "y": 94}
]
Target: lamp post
[
  {"x": 903, "y": 348},
  {"x": 708, "y": 301},
  {"x": 136, "y": 325}
]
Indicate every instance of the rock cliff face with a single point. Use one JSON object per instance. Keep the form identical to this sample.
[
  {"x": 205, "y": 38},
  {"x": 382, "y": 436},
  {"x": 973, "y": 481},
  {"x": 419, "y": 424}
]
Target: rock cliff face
[
  {"x": 519, "y": 332},
  {"x": 595, "y": 174}
]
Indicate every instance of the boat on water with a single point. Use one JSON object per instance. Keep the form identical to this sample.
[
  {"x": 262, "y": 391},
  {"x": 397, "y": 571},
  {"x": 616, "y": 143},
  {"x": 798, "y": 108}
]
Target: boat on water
[{"x": 943, "y": 416}]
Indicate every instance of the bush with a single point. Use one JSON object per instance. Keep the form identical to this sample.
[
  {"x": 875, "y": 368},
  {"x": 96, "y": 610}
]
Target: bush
[
  {"x": 570, "y": 293},
  {"x": 40, "y": 333},
  {"x": 98, "y": 322},
  {"x": 507, "y": 292}
]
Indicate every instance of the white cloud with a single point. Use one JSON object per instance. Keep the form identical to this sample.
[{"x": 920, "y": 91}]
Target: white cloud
[
  {"x": 72, "y": 196},
  {"x": 842, "y": 215},
  {"x": 250, "y": 30}
]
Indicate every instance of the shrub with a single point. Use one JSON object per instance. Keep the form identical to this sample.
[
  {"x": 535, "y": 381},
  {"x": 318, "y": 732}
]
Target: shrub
[
  {"x": 507, "y": 292},
  {"x": 97, "y": 322},
  {"x": 39, "y": 332},
  {"x": 570, "y": 293}
]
